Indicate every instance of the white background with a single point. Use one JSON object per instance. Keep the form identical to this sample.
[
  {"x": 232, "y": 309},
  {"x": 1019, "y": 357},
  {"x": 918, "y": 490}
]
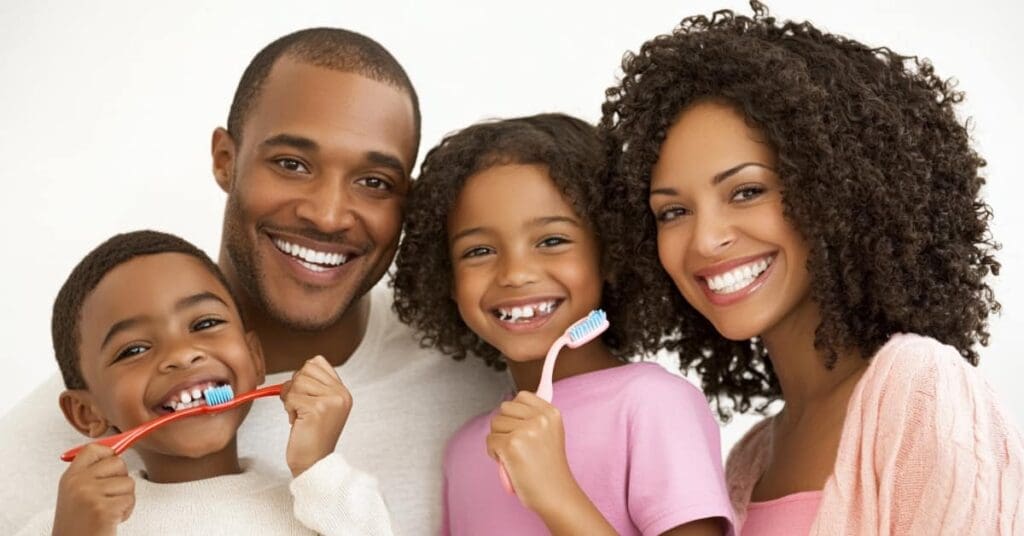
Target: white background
[{"x": 106, "y": 113}]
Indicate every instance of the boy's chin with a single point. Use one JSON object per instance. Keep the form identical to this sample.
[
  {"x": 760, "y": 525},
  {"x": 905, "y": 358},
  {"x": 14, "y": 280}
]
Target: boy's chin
[{"x": 196, "y": 445}]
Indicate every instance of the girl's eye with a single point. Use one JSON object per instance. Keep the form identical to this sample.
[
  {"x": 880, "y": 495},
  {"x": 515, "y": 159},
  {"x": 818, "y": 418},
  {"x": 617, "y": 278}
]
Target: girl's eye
[
  {"x": 553, "y": 241},
  {"x": 291, "y": 165},
  {"x": 376, "y": 183},
  {"x": 746, "y": 193},
  {"x": 131, "y": 351},
  {"x": 206, "y": 323},
  {"x": 478, "y": 251},
  {"x": 670, "y": 213}
]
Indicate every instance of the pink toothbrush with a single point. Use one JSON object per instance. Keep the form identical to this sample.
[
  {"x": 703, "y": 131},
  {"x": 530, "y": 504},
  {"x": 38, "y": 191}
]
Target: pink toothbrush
[
  {"x": 578, "y": 334},
  {"x": 218, "y": 399}
]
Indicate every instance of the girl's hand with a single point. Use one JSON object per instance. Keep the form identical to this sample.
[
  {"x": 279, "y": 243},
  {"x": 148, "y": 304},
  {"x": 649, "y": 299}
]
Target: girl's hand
[
  {"x": 95, "y": 493},
  {"x": 318, "y": 405},
  {"x": 527, "y": 437}
]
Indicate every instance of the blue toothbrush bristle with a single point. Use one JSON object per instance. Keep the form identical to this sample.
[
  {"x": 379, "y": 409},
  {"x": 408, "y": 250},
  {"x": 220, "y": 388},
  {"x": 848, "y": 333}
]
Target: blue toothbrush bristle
[
  {"x": 218, "y": 395},
  {"x": 593, "y": 322}
]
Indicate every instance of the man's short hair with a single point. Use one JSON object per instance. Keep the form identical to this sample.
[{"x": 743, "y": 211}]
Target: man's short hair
[
  {"x": 332, "y": 48},
  {"x": 119, "y": 249}
]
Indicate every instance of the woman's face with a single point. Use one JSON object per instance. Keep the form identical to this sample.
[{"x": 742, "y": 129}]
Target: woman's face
[{"x": 722, "y": 236}]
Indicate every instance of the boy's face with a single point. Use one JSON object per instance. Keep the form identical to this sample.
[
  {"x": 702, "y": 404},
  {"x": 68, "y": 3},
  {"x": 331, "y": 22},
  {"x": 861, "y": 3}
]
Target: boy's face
[
  {"x": 525, "y": 265},
  {"x": 315, "y": 190},
  {"x": 157, "y": 330}
]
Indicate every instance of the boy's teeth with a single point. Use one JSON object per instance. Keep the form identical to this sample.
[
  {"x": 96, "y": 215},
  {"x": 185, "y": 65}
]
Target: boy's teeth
[
  {"x": 311, "y": 258},
  {"x": 738, "y": 278}
]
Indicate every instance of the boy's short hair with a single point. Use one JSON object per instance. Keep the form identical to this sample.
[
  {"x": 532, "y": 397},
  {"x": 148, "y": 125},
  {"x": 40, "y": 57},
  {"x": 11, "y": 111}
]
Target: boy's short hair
[{"x": 117, "y": 250}]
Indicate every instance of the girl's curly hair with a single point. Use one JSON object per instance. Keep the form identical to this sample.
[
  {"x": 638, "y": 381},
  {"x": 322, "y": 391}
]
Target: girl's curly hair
[
  {"x": 572, "y": 153},
  {"x": 878, "y": 174}
]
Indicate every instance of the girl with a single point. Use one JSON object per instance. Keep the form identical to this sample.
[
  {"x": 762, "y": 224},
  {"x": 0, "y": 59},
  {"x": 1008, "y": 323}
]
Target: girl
[
  {"x": 815, "y": 203},
  {"x": 501, "y": 255}
]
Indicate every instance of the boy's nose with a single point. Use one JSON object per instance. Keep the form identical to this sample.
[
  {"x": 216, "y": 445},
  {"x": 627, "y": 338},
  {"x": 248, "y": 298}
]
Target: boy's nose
[{"x": 181, "y": 359}]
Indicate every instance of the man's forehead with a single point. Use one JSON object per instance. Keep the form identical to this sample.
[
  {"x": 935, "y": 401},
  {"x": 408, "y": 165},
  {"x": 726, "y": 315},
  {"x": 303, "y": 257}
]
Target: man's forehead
[{"x": 326, "y": 105}]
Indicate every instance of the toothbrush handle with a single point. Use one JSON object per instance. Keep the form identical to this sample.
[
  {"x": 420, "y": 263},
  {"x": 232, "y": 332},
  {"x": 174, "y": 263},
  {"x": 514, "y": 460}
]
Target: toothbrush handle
[
  {"x": 121, "y": 442},
  {"x": 544, "y": 389}
]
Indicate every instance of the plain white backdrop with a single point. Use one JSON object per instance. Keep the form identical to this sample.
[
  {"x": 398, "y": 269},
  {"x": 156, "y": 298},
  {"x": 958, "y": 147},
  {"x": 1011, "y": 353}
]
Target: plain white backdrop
[{"x": 106, "y": 112}]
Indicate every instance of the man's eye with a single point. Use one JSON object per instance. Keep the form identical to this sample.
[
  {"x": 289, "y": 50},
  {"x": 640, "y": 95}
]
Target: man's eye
[
  {"x": 131, "y": 351},
  {"x": 375, "y": 183},
  {"x": 206, "y": 323},
  {"x": 291, "y": 165}
]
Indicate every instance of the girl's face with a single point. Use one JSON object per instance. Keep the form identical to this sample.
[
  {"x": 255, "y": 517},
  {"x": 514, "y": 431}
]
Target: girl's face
[
  {"x": 722, "y": 236},
  {"x": 526, "y": 266}
]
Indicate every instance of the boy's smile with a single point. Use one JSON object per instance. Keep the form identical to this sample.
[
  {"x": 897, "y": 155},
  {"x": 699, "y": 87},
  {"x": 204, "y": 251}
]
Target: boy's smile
[{"x": 154, "y": 333}]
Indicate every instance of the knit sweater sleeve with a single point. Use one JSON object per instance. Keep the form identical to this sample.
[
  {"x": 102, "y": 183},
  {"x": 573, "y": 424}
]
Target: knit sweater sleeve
[
  {"x": 926, "y": 450},
  {"x": 333, "y": 498}
]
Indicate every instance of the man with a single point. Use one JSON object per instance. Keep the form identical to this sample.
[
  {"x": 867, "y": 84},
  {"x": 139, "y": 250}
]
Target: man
[{"x": 316, "y": 160}]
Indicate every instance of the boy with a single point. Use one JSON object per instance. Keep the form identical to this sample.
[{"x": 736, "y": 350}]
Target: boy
[{"x": 142, "y": 326}]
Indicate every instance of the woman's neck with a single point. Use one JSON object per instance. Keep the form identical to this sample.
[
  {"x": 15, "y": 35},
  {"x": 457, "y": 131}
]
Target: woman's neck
[
  {"x": 571, "y": 362},
  {"x": 801, "y": 368},
  {"x": 165, "y": 469}
]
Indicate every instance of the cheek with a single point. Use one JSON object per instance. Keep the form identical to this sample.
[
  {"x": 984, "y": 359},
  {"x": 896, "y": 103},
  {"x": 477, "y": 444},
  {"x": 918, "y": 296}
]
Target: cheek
[
  {"x": 468, "y": 286},
  {"x": 383, "y": 220},
  {"x": 671, "y": 253}
]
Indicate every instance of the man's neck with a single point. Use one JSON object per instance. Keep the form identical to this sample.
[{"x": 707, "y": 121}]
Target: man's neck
[{"x": 286, "y": 348}]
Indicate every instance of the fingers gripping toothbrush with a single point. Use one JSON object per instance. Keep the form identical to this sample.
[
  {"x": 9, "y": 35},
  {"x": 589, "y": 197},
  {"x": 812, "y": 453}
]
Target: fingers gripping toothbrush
[
  {"x": 218, "y": 399},
  {"x": 578, "y": 334}
]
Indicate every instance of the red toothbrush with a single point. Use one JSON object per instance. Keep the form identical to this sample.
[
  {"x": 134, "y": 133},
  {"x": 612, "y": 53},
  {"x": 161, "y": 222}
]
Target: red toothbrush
[{"x": 218, "y": 399}]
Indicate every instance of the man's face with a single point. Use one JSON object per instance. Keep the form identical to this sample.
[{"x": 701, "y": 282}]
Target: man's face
[{"x": 316, "y": 187}]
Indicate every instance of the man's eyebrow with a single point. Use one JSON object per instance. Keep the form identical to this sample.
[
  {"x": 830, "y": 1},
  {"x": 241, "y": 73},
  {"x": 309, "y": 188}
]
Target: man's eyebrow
[
  {"x": 290, "y": 140},
  {"x": 386, "y": 160},
  {"x": 183, "y": 303}
]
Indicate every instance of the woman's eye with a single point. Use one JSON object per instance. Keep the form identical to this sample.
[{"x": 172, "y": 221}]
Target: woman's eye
[
  {"x": 553, "y": 241},
  {"x": 671, "y": 213},
  {"x": 131, "y": 351},
  {"x": 206, "y": 323},
  {"x": 292, "y": 165},
  {"x": 375, "y": 183},
  {"x": 746, "y": 193}
]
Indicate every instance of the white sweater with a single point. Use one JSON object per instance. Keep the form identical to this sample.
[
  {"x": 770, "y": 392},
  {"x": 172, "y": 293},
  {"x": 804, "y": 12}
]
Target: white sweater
[
  {"x": 253, "y": 502},
  {"x": 407, "y": 401}
]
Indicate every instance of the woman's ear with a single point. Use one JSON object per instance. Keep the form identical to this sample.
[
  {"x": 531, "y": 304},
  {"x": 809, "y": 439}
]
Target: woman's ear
[
  {"x": 80, "y": 409},
  {"x": 256, "y": 352}
]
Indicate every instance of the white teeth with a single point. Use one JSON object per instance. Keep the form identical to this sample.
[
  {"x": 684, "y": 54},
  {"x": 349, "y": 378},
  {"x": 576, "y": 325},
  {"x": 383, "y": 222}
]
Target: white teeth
[
  {"x": 514, "y": 314},
  {"x": 196, "y": 393},
  {"x": 185, "y": 397},
  {"x": 310, "y": 257},
  {"x": 738, "y": 278}
]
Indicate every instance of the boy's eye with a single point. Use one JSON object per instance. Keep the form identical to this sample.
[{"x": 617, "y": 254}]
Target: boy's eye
[
  {"x": 292, "y": 165},
  {"x": 746, "y": 193},
  {"x": 206, "y": 323},
  {"x": 553, "y": 241},
  {"x": 478, "y": 251},
  {"x": 131, "y": 351},
  {"x": 670, "y": 213},
  {"x": 376, "y": 183}
]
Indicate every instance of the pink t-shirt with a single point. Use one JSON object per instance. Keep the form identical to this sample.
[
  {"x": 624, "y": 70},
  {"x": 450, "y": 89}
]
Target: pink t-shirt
[
  {"x": 641, "y": 442},
  {"x": 791, "y": 515}
]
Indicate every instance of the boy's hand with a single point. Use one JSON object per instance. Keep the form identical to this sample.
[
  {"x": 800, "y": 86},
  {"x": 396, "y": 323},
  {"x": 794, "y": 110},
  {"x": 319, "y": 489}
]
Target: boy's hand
[
  {"x": 318, "y": 405},
  {"x": 95, "y": 493},
  {"x": 527, "y": 437}
]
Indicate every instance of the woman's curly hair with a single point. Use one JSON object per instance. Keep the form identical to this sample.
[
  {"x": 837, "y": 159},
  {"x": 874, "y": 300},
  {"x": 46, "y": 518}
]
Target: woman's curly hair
[
  {"x": 572, "y": 153},
  {"x": 878, "y": 174}
]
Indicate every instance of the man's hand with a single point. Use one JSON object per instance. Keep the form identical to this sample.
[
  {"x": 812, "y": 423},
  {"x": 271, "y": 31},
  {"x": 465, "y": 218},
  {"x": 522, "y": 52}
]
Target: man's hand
[
  {"x": 318, "y": 405},
  {"x": 95, "y": 494}
]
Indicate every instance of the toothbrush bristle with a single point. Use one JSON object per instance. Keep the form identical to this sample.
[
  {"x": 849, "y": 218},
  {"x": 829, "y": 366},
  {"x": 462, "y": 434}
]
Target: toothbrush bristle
[
  {"x": 218, "y": 395},
  {"x": 588, "y": 328}
]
